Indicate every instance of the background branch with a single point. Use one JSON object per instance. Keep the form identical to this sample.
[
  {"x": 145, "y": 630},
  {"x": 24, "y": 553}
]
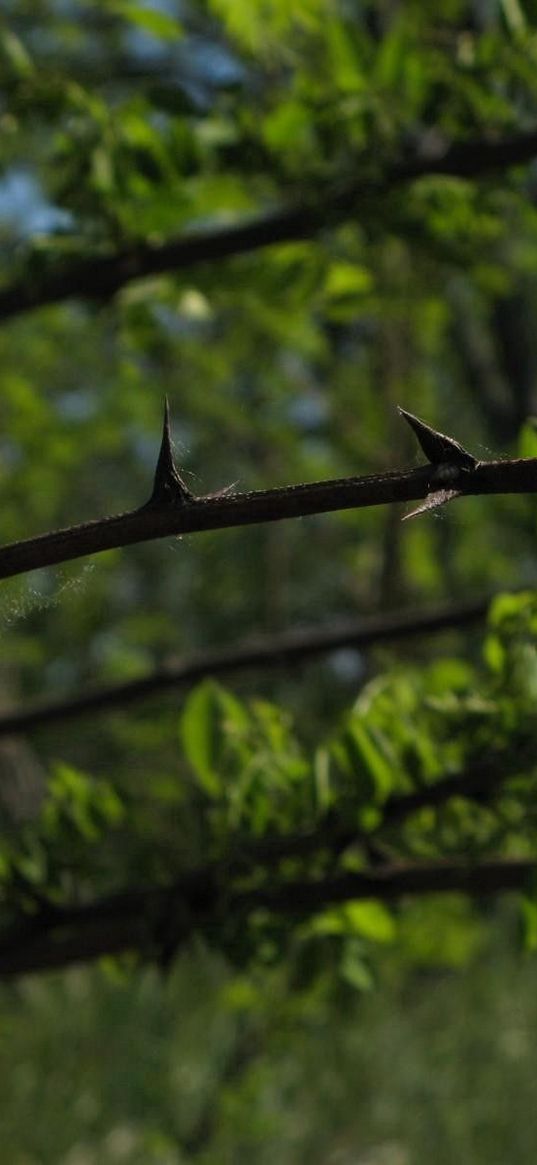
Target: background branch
[
  {"x": 102, "y": 276},
  {"x": 126, "y": 922},
  {"x": 271, "y": 651}
]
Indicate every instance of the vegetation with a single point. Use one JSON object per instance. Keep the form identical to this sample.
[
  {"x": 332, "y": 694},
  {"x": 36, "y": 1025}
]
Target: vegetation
[{"x": 276, "y": 775}]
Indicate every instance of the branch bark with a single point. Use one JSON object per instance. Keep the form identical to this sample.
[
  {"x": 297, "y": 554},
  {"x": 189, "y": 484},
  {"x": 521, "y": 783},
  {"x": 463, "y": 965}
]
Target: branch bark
[
  {"x": 154, "y": 521},
  {"x": 187, "y": 515},
  {"x": 101, "y": 277}
]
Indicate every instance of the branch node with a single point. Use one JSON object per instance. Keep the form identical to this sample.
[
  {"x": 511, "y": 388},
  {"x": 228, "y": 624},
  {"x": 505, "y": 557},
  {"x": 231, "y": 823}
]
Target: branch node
[
  {"x": 169, "y": 489},
  {"x": 438, "y": 449}
]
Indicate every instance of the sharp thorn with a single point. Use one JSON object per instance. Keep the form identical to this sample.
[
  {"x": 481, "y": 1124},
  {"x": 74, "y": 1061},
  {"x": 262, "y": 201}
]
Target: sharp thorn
[
  {"x": 438, "y": 448},
  {"x": 168, "y": 487}
]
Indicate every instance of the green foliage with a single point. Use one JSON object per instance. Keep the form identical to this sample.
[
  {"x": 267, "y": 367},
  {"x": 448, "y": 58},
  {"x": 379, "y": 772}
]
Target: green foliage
[
  {"x": 125, "y": 127},
  {"x": 39, "y": 863},
  {"x": 251, "y": 791}
]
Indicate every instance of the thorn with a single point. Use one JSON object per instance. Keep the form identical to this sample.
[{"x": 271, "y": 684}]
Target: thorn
[
  {"x": 438, "y": 449},
  {"x": 433, "y": 501},
  {"x": 169, "y": 488}
]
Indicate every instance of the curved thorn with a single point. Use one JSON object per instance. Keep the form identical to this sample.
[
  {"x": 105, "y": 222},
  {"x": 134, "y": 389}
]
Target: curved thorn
[{"x": 438, "y": 448}]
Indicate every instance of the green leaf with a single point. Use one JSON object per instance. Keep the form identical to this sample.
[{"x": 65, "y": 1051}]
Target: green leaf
[
  {"x": 528, "y": 909},
  {"x": 347, "y": 279},
  {"x": 344, "y": 62},
  {"x": 368, "y": 753},
  {"x": 370, "y": 919},
  {"x": 200, "y": 735},
  {"x": 514, "y": 16},
  {"x": 321, "y": 779},
  {"x": 212, "y": 726},
  {"x": 288, "y": 126},
  {"x": 494, "y": 654},
  {"x": 354, "y": 967},
  {"x": 527, "y": 438},
  {"x": 16, "y": 53},
  {"x": 514, "y": 613},
  {"x": 150, "y": 20}
]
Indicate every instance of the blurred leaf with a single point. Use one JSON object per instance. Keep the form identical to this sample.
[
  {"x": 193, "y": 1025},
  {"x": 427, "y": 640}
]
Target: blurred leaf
[
  {"x": 15, "y": 52},
  {"x": 354, "y": 968},
  {"x": 200, "y": 732},
  {"x": 527, "y": 438},
  {"x": 211, "y": 719},
  {"x": 347, "y": 279},
  {"x": 528, "y": 907},
  {"x": 367, "y": 755},
  {"x": 370, "y": 919},
  {"x": 321, "y": 776},
  {"x": 148, "y": 19}
]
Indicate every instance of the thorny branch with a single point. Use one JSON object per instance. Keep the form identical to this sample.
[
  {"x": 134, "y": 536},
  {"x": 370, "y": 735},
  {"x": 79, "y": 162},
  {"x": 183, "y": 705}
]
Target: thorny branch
[
  {"x": 102, "y": 276},
  {"x": 131, "y": 921},
  {"x": 172, "y": 510},
  {"x": 61, "y": 935}
]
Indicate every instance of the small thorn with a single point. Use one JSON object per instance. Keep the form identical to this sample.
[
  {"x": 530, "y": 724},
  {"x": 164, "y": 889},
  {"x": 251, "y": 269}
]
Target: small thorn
[
  {"x": 169, "y": 487},
  {"x": 438, "y": 449},
  {"x": 433, "y": 501}
]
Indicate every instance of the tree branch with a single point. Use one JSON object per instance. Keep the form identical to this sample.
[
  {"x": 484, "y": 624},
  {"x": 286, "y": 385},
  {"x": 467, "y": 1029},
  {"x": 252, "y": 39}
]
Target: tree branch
[
  {"x": 126, "y": 922},
  {"x": 103, "y": 276},
  {"x": 172, "y": 510},
  {"x": 274, "y": 651},
  {"x": 153, "y": 521}
]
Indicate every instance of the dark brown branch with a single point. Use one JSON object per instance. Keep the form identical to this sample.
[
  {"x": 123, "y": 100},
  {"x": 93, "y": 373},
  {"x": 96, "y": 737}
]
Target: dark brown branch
[
  {"x": 126, "y": 922},
  {"x": 153, "y": 521},
  {"x": 478, "y": 781},
  {"x": 102, "y": 276},
  {"x": 274, "y": 651},
  {"x": 216, "y": 512},
  {"x": 390, "y": 883}
]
